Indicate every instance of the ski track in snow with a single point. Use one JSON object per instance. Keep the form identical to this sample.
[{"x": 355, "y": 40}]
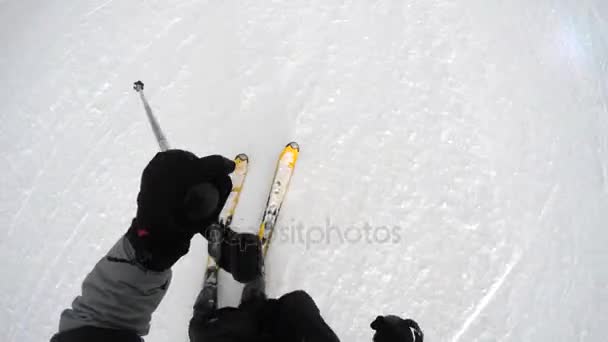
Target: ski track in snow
[
  {"x": 41, "y": 286},
  {"x": 479, "y": 130},
  {"x": 487, "y": 298},
  {"x": 548, "y": 203},
  {"x": 94, "y": 10}
]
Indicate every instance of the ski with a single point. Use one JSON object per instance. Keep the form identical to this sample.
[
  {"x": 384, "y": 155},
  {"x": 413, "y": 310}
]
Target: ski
[
  {"x": 208, "y": 295},
  {"x": 280, "y": 183},
  {"x": 207, "y": 299},
  {"x": 238, "y": 179}
]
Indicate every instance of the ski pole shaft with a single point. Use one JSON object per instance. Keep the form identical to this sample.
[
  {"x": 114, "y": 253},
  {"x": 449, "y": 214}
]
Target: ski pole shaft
[{"x": 158, "y": 132}]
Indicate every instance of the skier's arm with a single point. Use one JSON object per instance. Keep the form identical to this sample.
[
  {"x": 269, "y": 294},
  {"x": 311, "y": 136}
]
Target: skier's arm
[
  {"x": 118, "y": 295},
  {"x": 180, "y": 195},
  {"x": 300, "y": 319}
]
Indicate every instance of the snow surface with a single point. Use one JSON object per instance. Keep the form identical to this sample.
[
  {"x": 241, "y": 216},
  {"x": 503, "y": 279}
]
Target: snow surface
[{"x": 478, "y": 128}]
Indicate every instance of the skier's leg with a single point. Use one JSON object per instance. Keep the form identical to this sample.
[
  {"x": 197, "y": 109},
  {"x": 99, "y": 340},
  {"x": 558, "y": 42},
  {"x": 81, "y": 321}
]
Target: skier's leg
[
  {"x": 254, "y": 291},
  {"x": 206, "y": 301},
  {"x": 205, "y": 305},
  {"x": 210, "y": 324}
]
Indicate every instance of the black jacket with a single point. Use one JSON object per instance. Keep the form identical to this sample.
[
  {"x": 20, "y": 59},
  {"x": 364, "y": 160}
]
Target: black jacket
[{"x": 292, "y": 318}]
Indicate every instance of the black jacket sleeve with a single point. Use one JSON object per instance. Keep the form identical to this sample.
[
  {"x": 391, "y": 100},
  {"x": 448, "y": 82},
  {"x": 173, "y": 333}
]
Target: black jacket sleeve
[
  {"x": 292, "y": 318},
  {"x": 96, "y": 334},
  {"x": 223, "y": 325},
  {"x": 299, "y": 319},
  {"x": 117, "y": 299}
]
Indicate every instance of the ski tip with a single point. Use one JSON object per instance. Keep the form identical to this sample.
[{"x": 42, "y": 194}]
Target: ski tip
[
  {"x": 241, "y": 157},
  {"x": 294, "y": 145}
]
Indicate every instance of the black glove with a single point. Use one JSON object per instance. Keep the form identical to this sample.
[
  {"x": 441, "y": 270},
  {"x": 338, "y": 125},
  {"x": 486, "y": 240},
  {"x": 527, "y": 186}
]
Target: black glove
[
  {"x": 239, "y": 253},
  {"x": 394, "y": 329},
  {"x": 180, "y": 195}
]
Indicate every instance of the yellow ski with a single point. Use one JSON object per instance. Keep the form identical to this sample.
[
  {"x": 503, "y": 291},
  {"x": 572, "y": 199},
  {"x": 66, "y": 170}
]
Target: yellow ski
[
  {"x": 208, "y": 295},
  {"x": 280, "y": 183}
]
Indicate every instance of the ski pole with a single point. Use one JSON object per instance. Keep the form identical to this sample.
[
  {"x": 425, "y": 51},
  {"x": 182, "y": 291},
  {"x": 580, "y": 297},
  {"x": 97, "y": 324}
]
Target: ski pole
[
  {"x": 200, "y": 198},
  {"x": 158, "y": 132}
]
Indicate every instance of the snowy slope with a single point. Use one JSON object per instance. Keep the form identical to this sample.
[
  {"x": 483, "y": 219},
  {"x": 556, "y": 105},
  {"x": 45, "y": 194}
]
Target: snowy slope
[{"x": 477, "y": 133}]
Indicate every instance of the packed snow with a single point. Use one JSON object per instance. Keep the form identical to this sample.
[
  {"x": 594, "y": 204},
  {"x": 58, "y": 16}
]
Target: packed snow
[{"x": 454, "y": 162}]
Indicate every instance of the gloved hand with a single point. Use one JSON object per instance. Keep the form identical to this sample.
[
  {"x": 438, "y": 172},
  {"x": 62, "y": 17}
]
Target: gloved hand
[
  {"x": 238, "y": 253},
  {"x": 395, "y": 329},
  {"x": 180, "y": 195}
]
